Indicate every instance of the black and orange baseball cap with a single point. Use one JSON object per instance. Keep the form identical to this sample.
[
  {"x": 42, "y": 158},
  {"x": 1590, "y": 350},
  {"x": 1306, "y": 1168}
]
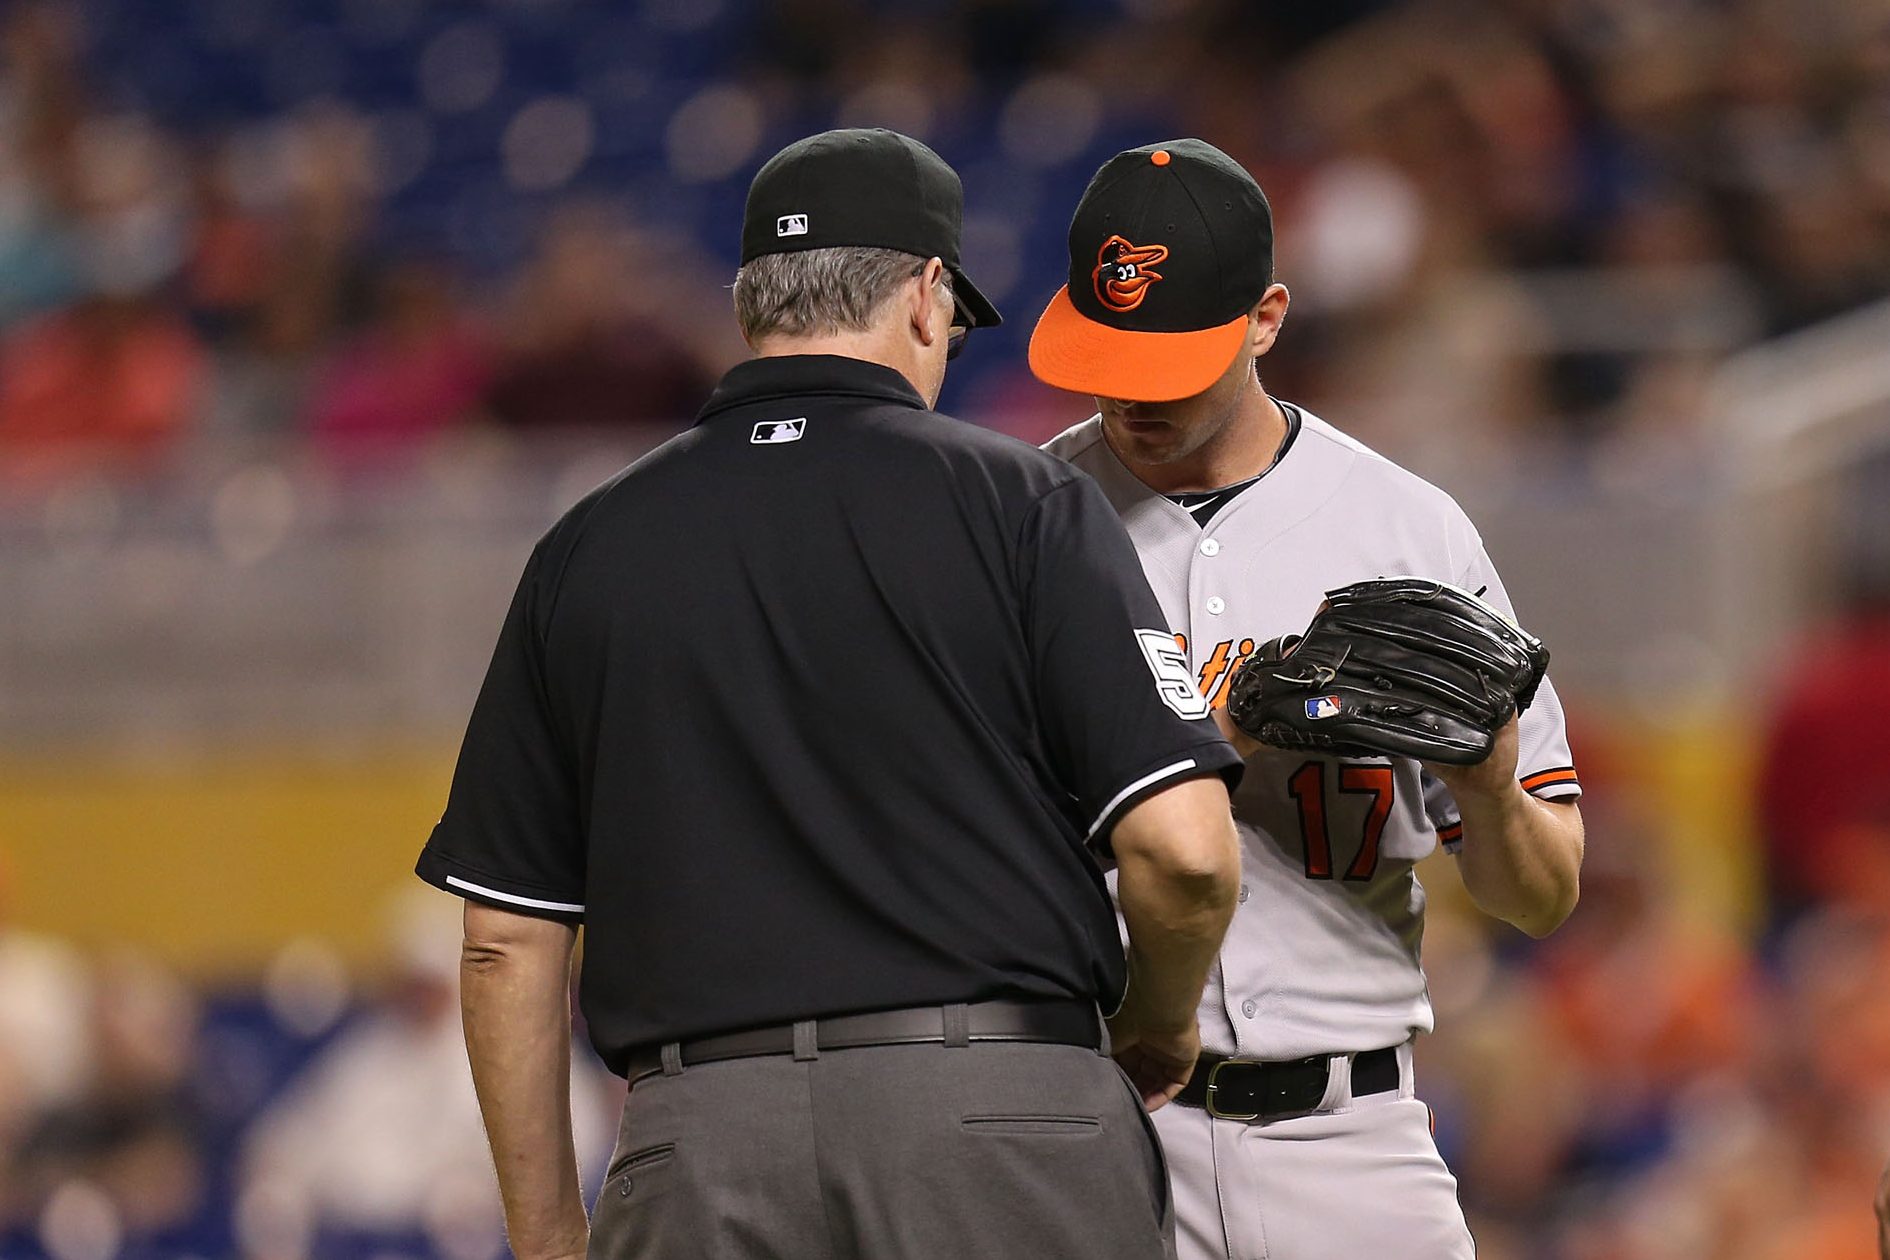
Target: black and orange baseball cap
[
  {"x": 1170, "y": 247},
  {"x": 863, "y": 186}
]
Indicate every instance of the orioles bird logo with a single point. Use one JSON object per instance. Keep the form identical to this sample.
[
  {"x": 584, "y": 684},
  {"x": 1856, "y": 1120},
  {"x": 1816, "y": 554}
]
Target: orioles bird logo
[{"x": 1122, "y": 272}]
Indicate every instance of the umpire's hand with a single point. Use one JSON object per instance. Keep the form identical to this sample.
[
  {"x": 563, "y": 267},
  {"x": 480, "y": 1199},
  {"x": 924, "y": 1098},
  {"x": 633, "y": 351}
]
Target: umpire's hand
[{"x": 1158, "y": 1062}]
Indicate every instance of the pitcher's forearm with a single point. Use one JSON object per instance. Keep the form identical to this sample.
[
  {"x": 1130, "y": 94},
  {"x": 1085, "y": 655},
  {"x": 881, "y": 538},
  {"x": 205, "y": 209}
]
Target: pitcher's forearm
[
  {"x": 1522, "y": 857},
  {"x": 514, "y": 997}
]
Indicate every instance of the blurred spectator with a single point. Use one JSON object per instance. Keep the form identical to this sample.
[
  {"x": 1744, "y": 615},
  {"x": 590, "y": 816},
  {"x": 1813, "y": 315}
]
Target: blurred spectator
[
  {"x": 45, "y": 1040},
  {"x": 39, "y": 266},
  {"x": 313, "y": 171},
  {"x": 108, "y": 383},
  {"x": 418, "y": 368},
  {"x": 1824, "y": 772},
  {"x": 581, "y": 354},
  {"x": 381, "y": 1134},
  {"x": 132, "y": 1136},
  {"x": 40, "y": 255},
  {"x": 277, "y": 272},
  {"x": 228, "y": 270},
  {"x": 109, "y": 379}
]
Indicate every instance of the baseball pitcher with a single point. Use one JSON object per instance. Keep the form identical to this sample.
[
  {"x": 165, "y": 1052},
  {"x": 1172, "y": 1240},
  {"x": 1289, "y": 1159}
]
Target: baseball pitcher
[{"x": 1382, "y": 693}]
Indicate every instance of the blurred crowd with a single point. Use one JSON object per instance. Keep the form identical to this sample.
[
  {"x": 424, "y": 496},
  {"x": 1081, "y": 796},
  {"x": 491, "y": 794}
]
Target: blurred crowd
[
  {"x": 1645, "y": 1087},
  {"x": 314, "y": 1117},
  {"x": 358, "y": 229},
  {"x": 1637, "y": 1087},
  {"x": 369, "y": 224}
]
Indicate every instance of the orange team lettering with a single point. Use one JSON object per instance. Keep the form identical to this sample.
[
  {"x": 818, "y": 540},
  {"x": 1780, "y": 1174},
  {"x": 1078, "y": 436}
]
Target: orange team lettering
[
  {"x": 1218, "y": 673},
  {"x": 1214, "y": 668}
]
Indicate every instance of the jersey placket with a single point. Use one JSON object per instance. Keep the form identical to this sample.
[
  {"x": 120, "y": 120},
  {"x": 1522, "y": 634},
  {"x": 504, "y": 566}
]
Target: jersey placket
[{"x": 1215, "y": 609}]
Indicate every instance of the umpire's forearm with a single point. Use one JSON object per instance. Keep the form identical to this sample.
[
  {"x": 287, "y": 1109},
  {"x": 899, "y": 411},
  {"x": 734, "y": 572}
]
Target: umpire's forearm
[
  {"x": 514, "y": 995},
  {"x": 1522, "y": 858},
  {"x": 1178, "y": 870}
]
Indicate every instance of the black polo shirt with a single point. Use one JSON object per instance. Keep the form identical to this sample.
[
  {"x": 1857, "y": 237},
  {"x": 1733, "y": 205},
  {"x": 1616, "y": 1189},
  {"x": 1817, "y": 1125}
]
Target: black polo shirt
[{"x": 822, "y": 707}]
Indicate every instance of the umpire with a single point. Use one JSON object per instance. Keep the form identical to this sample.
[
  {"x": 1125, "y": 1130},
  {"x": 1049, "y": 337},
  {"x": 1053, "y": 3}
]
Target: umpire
[{"x": 818, "y": 719}]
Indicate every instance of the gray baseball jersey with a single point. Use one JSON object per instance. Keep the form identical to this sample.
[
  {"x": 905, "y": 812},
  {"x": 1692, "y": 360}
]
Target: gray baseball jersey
[{"x": 1323, "y": 953}]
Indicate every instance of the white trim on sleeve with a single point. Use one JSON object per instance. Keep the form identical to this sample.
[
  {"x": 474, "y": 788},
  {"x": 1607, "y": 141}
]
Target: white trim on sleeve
[
  {"x": 1568, "y": 789},
  {"x": 514, "y": 898},
  {"x": 1188, "y": 763}
]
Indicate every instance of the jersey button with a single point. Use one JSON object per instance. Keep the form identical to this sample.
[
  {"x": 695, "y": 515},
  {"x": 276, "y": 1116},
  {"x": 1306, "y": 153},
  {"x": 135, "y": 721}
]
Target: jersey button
[
  {"x": 1210, "y": 547},
  {"x": 1248, "y": 1007},
  {"x": 1243, "y": 894},
  {"x": 1216, "y": 605}
]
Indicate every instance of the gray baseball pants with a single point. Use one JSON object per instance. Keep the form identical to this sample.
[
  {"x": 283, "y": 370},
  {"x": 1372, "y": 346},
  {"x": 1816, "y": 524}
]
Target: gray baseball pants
[
  {"x": 997, "y": 1150},
  {"x": 1359, "y": 1178}
]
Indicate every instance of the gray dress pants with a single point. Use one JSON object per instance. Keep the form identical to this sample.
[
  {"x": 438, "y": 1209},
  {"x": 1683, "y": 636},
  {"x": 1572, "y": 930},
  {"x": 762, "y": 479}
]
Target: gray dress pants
[{"x": 991, "y": 1150}]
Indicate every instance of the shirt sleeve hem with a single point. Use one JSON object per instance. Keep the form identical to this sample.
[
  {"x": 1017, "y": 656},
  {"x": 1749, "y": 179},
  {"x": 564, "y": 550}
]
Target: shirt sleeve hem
[
  {"x": 1566, "y": 790},
  {"x": 1552, "y": 781},
  {"x": 449, "y": 876},
  {"x": 1203, "y": 759},
  {"x": 1558, "y": 784}
]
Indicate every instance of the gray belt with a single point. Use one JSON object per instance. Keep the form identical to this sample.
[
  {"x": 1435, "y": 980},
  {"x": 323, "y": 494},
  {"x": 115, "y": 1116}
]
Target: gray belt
[{"x": 1067, "y": 1022}]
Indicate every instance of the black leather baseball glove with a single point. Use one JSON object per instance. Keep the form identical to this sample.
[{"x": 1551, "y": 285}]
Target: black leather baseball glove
[{"x": 1405, "y": 667}]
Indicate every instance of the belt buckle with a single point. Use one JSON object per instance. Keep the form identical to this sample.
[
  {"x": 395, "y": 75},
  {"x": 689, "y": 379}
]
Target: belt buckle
[{"x": 1212, "y": 1101}]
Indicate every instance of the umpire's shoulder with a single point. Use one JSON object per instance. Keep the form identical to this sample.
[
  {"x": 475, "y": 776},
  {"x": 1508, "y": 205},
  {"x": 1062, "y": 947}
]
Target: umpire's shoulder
[
  {"x": 557, "y": 544},
  {"x": 1016, "y": 470}
]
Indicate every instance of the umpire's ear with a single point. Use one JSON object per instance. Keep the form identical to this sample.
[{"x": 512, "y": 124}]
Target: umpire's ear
[
  {"x": 922, "y": 303},
  {"x": 1266, "y": 318}
]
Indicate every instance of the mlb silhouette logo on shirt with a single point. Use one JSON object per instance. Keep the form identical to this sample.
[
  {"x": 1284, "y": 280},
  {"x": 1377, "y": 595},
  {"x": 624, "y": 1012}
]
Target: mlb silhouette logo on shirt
[{"x": 769, "y": 431}]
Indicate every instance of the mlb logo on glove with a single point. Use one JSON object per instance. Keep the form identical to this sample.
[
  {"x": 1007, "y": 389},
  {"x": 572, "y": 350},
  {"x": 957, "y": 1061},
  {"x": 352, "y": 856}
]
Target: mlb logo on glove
[{"x": 1322, "y": 707}]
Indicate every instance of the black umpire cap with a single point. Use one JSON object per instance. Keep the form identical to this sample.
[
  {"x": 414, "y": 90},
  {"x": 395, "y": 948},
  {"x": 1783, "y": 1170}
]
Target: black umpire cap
[{"x": 863, "y": 186}]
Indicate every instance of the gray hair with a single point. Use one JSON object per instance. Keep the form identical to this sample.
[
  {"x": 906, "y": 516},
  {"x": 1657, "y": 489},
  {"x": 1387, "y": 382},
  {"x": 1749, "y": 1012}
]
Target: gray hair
[{"x": 818, "y": 291}]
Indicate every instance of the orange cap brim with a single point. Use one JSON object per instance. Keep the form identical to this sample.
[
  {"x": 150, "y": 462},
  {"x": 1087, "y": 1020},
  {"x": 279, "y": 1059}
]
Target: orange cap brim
[{"x": 1071, "y": 351}]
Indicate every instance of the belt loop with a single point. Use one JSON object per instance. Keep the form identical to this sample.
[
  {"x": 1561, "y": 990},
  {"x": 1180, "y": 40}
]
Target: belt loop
[
  {"x": 806, "y": 1041},
  {"x": 1338, "y": 1095},
  {"x": 672, "y": 1059},
  {"x": 957, "y": 1024}
]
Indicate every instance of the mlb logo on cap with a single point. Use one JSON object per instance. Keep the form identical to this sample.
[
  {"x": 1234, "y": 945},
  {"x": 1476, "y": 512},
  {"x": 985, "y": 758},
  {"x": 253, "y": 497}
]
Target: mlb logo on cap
[
  {"x": 863, "y": 187},
  {"x": 1323, "y": 707}
]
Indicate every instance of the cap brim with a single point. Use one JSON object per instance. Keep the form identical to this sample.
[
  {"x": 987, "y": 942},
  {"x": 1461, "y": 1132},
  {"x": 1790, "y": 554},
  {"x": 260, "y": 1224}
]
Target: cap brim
[
  {"x": 976, "y": 304},
  {"x": 1071, "y": 351}
]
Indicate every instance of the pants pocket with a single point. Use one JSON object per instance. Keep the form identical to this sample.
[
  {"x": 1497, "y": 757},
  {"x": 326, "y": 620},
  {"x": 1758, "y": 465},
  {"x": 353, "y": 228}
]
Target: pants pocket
[
  {"x": 647, "y": 1157},
  {"x": 636, "y": 1179},
  {"x": 1044, "y": 1126}
]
